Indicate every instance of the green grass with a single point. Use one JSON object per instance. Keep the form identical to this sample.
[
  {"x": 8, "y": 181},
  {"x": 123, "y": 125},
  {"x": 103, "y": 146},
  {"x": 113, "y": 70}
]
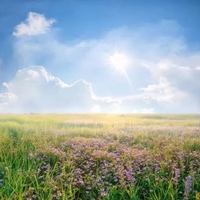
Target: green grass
[{"x": 108, "y": 157}]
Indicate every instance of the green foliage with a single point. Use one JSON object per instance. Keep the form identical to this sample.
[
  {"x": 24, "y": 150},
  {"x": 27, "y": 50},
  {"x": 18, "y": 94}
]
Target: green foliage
[{"x": 103, "y": 157}]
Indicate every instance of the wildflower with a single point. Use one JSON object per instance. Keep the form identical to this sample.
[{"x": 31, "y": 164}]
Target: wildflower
[
  {"x": 129, "y": 174},
  {"x": 45, "y": 166},
  {"x": 81, "y": 182},
  {"x": 38, "y": 159},
  {"x": 34, "y": 196},
  {"x": 103, "y": 194},
  {"x": 1, "y": 182},
  {"x": 117, "y": 159},
  {"x": 88, "y": 188},
  {"x": 188, "y": 186},
  {"x": 177, "y": 175},
  {"x": 31, "y": 155},
  {"x": 157, "y": 168},
  {"x": 59, "y": 194}
]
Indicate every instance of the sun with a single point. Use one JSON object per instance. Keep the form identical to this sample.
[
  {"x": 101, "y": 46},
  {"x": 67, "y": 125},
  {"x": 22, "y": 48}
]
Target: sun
[{"x": 119, "y": 61}]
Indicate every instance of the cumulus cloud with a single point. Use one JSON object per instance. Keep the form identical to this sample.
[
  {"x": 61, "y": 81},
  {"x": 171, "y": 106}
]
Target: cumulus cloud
[
  {"x": 36, "y": 24},
  {"x": 167, "y": 97},
  {"x": 161, "y": 92},
  {"x": 34, "y": 90},
  {"x": 5, "y": 100},
  {"x": 164, "y": 70}
]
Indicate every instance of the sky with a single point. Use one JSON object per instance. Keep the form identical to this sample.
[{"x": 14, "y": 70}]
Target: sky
[{"x": 108, "y": 56}]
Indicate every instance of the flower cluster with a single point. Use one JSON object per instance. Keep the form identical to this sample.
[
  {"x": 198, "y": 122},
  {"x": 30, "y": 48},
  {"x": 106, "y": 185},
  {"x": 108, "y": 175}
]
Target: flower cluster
[{"x": 133, "y": 163}]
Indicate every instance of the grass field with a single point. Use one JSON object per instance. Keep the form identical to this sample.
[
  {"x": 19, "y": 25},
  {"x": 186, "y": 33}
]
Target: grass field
[{"x": 111, "y": 157}]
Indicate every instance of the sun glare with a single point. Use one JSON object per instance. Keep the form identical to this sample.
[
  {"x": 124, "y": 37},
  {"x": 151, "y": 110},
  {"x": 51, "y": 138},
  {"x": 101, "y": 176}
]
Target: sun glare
[{"x": 119, "y": 61}]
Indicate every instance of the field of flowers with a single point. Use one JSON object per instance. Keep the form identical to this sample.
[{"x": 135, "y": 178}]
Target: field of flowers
[{"x": 99, "y": 157}]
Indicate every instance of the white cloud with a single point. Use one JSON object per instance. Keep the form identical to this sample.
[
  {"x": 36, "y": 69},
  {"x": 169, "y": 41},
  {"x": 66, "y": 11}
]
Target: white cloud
[
  {"x": 34, "y": 90},
  {"x": 6, "y": 98},
  {"x": 164, "y": 72},
  {"x": 35, "y": 24},
  {"x": 166, "y": 97},
  {"x": 161, "y": 92}
]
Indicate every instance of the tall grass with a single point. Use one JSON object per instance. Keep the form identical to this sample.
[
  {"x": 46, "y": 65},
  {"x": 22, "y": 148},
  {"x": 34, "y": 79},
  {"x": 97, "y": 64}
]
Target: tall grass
[{"x": 106, "y": 157}]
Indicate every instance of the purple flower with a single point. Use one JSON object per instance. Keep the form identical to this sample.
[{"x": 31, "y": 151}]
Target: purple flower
[
  {"x": 1, "y": 182},
  {"x": 188, "y": 186},
  {"x": 129, "y": 174},
  {"x": 176, "y": 175},
  {"x": 157, "y": 168}
]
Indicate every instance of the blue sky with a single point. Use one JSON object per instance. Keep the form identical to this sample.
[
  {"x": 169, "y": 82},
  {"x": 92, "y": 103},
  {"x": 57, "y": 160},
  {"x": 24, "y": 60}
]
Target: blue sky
[{"x": 133, "y": 56}]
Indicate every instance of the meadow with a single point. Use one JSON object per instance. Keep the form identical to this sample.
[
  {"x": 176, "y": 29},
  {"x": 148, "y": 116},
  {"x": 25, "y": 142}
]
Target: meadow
[{"x": 99, "y": 157}]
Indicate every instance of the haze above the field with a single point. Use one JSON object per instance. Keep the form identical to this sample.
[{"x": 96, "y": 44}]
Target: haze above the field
[{"x": 107, "y": 56}]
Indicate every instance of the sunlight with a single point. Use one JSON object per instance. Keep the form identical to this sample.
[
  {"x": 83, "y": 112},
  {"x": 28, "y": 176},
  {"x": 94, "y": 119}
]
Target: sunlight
[{"x": 120, "y": 62}]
